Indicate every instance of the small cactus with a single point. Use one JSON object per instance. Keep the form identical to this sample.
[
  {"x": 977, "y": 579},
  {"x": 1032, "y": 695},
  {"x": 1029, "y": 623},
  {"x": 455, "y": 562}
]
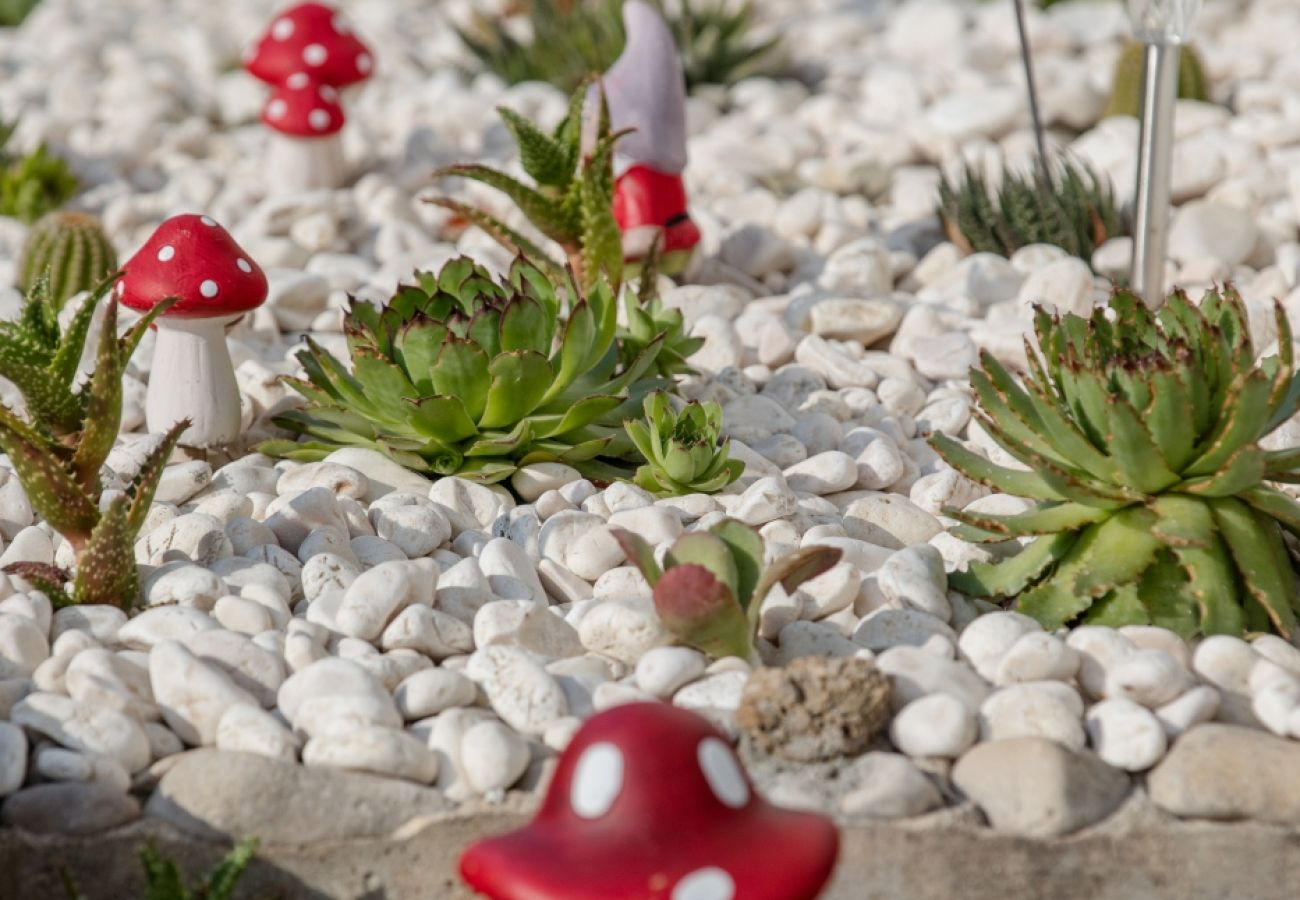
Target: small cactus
[
  {"x": 1126, "y": 88},
  {"x": 73, "y": 249}
]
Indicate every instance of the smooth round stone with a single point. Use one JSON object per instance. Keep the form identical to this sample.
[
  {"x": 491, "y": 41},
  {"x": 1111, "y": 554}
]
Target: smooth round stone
[
  {"x": 373, "y": 599},
  {"x": 329, "y": 677},
  {"x": 886, "y": 628},
  {"x": 430, "y": 691},
  {"x": 192, "y": 693},
  {"x": 985, "y": 640},
  {"x": 13, "y": 758},
  {"x": 1037, "y": 656},
  {"x": 1226, "y": 662},
  {"x": 492, "y": 756},
  {"x": 103, "y": 678},
  {"x": 1126, "y": 735},
  {"x": 892, "y": 788},
  {"x": 382, "y": 751},
  {"x": 1099, "y": 650},
  {"x": 1151, "y": 678},
  {"x": 934, "y": 725},
  {"x": 1194, "y": 707},
  {"x": 432, "y": 632},
  {"x": 1046, "y": 709},
  {"x": 71, "y": 808},
  {"x": 915, "y": 577},
  {"x": 58, "y": 764},
  {"x": 530, "y": 482},
  {"x": 518, "y": 688},
  {"x": 100, "y": 622},
  {"x": 246, "y": 729},
  {"x": 23, "y": 646},
  {"x": 85, "y": 727},
  {"x": 524, "y": 623},
  {"x": 415, "y": 530},
  {"x": 662, "y": 671},
  {"x": 624, "y": 630},
  {"x": 825, "y": 473},
  {"x": 164, "y": 623}
]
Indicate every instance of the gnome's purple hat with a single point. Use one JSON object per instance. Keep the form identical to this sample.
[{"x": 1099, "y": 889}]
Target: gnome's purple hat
[{"x": 646, "y": 90}]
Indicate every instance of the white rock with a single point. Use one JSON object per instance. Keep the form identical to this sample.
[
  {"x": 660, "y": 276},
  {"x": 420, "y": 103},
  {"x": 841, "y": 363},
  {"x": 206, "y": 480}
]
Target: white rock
[
  {"x": 989, "y": 637},
  {"x": 100, "y": 677},
  {"x": 415, "y": 530},
  {"x": 253, "y": 668},
  {"x": 848, "y": 319},
  {"x": 247, "y": 729},
  {"x": 383, "y": 751},
  {"x": 766, "y": 499},
  {"x": 1203, "y": 228},
  {"x": 833, "y": 590},
  {"x": 581, "y": 542},
  {"x": 915, "y": 577},
  {"x": 81, "y": 726},
  {"x": 523, "y": 623},
  {"x": 509, "y": 571},
  {"x": 934, "y": 725},
  {"x": 713, "y": 692},
  {"x": 470, "y": 506},
  {"x": 13, "y": 758},
  {"x": 430, "y": 691},
  {"x": 519, "y": 689},
  {"x": 1037, "y": 656},
  {"x": 192, "y": 693},
  {"x": 492, "y": 756},
  {"x": 1046, "y": 709},
  {"x": 1099, "y": 649},
  {"x": 164, "y": 623},
  {"x": 1149, "y": 677},
  {"x": 662, "y": 671},
  {"x": 1126, "y": 735},
  {"x": 887, "y": 628},
  {"x": 1192, "y": 708},
  {"x": 23, "y": 646},
  {"x": 917, "y": 673},
  {"x": 329, "y": 677},
  {"x": 530, "y": 482},
  {"x": 100, "y": 622},
  {"x": 340, "y": 480},
  {"x": 382, "y": 475},
  {"x": 373, "y": 599},
  {"x": 623, "y": 629},
  {"x": 318, "y": 716},
  {"x": 1063, "y": 286},
  {"x": 825, "y": 473},
  {"x": 432, "y": 632}
]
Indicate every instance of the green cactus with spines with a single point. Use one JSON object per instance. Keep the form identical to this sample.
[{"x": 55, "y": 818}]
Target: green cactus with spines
[
  {"x": 572, "y": 200},
  {"x": 711, "y": 587},
  {"x": 1126, "y": 86},
  {"x": 72, "y": 249},
  {"x": 58, "y": 450},
  {"x": 685, "y": 452},
  {"x": 1076, "y": 211},
  {"x": 1139, "y": 433},
  {"x": 463, "y": 374}
]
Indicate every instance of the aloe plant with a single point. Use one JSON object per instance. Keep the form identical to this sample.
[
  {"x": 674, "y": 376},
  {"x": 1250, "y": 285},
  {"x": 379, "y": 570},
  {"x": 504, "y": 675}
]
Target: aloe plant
[
  {"x": 648, "y": 318},
  {"x": 572, "y": 199},
  {"x": 685, "y": 452},
  {"x": 1141, "y": 435},
  {"x": 58, "y": 451},
  {"x": 1077, "y": 211},
  {"x": 465, "y": 375},
  {"x": 710, "y": 590}
]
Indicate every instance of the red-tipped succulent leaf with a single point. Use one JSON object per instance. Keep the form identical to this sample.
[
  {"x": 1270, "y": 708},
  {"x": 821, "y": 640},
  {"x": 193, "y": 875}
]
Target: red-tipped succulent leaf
[
  {"x": 194, "y": 259},
  {"x": 702, "y": 611},
  {"x": 314, "y": 39},
  {"x": 649, "y": 802}
]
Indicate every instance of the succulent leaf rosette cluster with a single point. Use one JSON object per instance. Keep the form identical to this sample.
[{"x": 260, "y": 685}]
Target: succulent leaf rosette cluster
[
  {"x": 1139, "y": 433},
  {"x": 57, "y": 452},
  {"x": 685, "y": 452},
  {"x": 711, "y": 586},
  {"x": 462, "y": 374}
]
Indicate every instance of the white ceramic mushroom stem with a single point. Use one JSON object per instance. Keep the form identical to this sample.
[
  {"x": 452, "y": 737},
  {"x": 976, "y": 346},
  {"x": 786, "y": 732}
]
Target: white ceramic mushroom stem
[
  {"x": 305, "y": 163},
  {"x": 192, "y": 377}
]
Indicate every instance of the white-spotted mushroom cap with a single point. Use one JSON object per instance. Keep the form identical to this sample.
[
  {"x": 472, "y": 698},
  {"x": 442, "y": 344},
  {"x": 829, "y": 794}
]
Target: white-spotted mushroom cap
[
  {"x": 312, "y": 39},
  {"x": 194, "y": 259},
  {"x": 646, "y": 90},
  {"x": 650, "y": 801},
  {"x": 303, "y": 108}
]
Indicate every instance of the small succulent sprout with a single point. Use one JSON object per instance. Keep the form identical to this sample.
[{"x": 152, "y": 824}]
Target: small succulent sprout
[
  {"x": 34, "y": 184},
  {"x": 648, "y": 318},
  {"x": 59, "y": 451},
  {"x": 571, "y": 200},
  {"x": 712, "y": 585},
  {"x": 1139, "y": 433},
  {"x": 685, "y": 452},
  {"x": 463, "y": 374},
  {"x": 1076, "y": 211},
  {"x": 306, "y": 120},
  {"x": 72, "y": 249}
]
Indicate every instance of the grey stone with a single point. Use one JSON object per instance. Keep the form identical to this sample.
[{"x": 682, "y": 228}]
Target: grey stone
[
  {"x": 1217, "y": 771},
  {"x": 74, "y": 808},
  {"x": 214, "y": 794},
  {"x": 1034, "y": 787}
]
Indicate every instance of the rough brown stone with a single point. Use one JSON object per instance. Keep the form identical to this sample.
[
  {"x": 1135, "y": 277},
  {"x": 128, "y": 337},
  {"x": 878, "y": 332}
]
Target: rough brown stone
[
  {"x": 815, "y": 708},
  {"x": 1219, "y": 771}
]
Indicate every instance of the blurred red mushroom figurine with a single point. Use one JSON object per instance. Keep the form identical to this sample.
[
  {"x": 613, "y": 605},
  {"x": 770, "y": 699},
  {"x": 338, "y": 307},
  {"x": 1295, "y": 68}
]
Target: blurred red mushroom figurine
[
  {"x": 194, "y": 259},
  {"x": 646, "y": 91},
  {"x": 308, "y": 55},
  {"x": 649, "y": 802}
]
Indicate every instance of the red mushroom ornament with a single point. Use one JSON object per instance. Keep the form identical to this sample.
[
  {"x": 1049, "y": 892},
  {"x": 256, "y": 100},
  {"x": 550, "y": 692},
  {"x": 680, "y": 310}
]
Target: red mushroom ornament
[
  {"x": 646, "y": 92},
  {"x": 649, "y": 802},
  {"x": 314, "y": 39},
  {"x": 308, "y": 55},
  {"x": 306, "y": 119},
  {"x": 194, "y": 259}
]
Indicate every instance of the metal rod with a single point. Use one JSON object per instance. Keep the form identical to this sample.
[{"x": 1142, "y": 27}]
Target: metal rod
[
  {"x": 1155, "y": 162},
  {"x": 1028, "y": 60}
]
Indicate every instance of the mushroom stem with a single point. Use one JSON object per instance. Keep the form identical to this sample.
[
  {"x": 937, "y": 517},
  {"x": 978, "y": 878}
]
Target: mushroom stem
[
  {"x": 192, "y": 377},
  {"x": 305, "y": 163}
]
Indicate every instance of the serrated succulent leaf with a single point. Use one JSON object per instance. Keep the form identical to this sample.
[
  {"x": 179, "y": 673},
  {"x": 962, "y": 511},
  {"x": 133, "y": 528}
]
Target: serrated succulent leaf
[
  {"x": 106, "y": 569},
  {"x": 1164, "y": 593},
  {"x": 1017, "y": 482},
  {"x": 1140, "y": 462},
  {"x": 461, "y": 370},
  {"x": 1045, "y": 518},
  {"x": 1011, "y": 576},
  {"x": 542, "y": 211},
  {"x": 103, "y": 413},
  {"x": 1119, "y": 608},
  {"x": 145, "y": 483},
  {"x": 1256, "y": 547}
]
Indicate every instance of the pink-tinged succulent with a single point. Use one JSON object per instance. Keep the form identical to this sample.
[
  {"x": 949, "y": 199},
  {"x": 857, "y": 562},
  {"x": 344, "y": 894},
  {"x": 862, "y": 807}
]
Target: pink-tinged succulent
[
  {"x": 711, "y": 587},
  {"x": 649, "y": 802}
]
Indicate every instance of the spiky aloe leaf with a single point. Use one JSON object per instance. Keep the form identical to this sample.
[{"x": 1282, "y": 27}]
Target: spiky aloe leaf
[
  {"x": 103, "y": 413},
  {"x": 1011, "y": 576},
  {"x": 701, "y": 611},
  {"x": 52, "y": 490},
  {"x": 46, "y": 578},
  {"x": 544, "y": 158},
  {"x": 1256, "y": 547},
  {"x": 502, "y": 233},
  {"x": 106, "y": 569},
  {"x": 542, "y": 211},
  {"x": 144, "y": 485}
]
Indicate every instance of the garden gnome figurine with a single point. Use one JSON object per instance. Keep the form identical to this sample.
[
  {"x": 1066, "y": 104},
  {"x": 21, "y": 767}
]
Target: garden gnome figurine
[{"x": 646, "y": 91}]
